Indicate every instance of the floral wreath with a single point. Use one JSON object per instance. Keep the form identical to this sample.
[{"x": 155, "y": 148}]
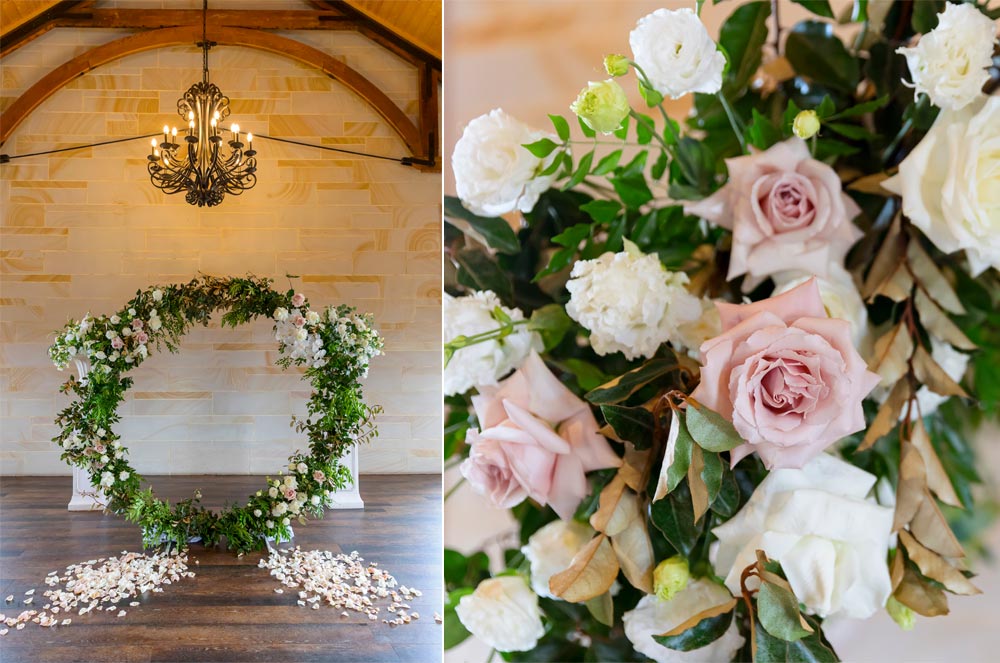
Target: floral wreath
[{"x": 334, "y": 345}]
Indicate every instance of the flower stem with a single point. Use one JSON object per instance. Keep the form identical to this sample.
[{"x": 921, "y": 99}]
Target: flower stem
[
  {"x": 452, "y": 490},
  {"x": 734, "y": 122}
]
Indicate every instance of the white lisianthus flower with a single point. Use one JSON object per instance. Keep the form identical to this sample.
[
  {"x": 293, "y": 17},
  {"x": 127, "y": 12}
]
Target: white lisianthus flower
[
  {"x": 290, "y": 480},
  {"x": 285, "y": 522},
  {"x": 110, "y": 334},
  {"x": 949, "y": 64},
  {"x": 278, "y": 509},
  {"x": 272, "y": 492},
  {"x": 315, "y": 500},
  {"x": 157, "y": 295},
  {"x": 602, "y": 106},
  {"x": 258, "y": 513},
  {"x": 155, "y": 324},
  {"x": 629, "y": 302},
  {"x": 676, "y": 53},
  {"x": 124, "y": 475},
  {"x": 550, "y": 551},
  {"x": 126, "y": 332},
  {"x": 302, "y": 468},
  {"x": 503, "y": 612},
  {"x": 107, "y": 479},
  {"x": 115, "y": 319},
  {"x": 494, "y": 173},
  {"x": 131, "y": 312},
  {"x": 104, "y": 458},
  {"x": 100, "y": 355},
  {"x": 312, "y": 317},
  {"x": 482, "y": 363},
  {"x": 840, "y": 296},
  {"x": 281, "y": 314},
  {"x": 950, "y": 183},
  {"x": 294, "y": 507},
  {"x": 830, "y": 537},
  {"x": 652, "y": 616}
]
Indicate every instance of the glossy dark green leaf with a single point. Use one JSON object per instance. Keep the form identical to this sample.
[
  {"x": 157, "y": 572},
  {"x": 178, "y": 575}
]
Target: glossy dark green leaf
[
  {"x": 743, "y": 36},
  {"x": 621, "y": 133},
  {"x": 727, "y": 502},
  {"x": 701, "y": 634},
  {"x": 807, "y": 650},
  {"x": 645, "y": 129},
  {"x": 625, "y": 385},
  {"x": 632, "y": 424},
  {"x": 587, "y": 375},
  {"x": 497, "y": 232},
  {"x": 454, "y": 631},
  {"x": 711, "y": 474},
  {"x": 682, "y": 456},
  {"x": 711, "y": 430},
  {"x": 762, "y": 133},
  {"x": 863, "y": 108},
  {"x": 572, "y": 236},
  {"x": 816, "y": 52},
  {"x": 559, "y": 261},
  {"x": 924, "y": 17},
  {"x": 852, "y": 131},
  {"x": 673, "y": 516},
  {"x": 826, "y": 107},
  {"x": 480, "y": 271},
  {"x": 541, "y": 148},
  {"x": 585, "y": 128},
  {"x": 778, "y": 612},
  {"x": 660, "y": 165},
  {"x": 552, "y": 323}
]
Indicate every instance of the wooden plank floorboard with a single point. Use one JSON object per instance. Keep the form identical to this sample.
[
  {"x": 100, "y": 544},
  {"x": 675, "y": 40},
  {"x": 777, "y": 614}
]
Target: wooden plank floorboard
[{"x": 229, "y": 611}]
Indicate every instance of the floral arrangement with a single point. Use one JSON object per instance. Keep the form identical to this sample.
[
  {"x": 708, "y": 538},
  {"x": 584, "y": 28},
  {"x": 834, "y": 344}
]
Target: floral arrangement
[
  {"x": 333, "y": 345},
  {"x": 723, "y": 370}
]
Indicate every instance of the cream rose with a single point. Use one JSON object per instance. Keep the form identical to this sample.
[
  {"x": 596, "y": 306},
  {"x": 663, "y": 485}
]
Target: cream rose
[
  {"x": 652, "y": 616},
  {"x": 829, "y": 535},
  {"x": 550, "y": 550},
  {"x": 503, "y": 612},
  {"x": 676, "y": 53},
  {"x": 494, "y": 173},
  {"x": 786, "y": 210},
  {"x": 786, "y": 375},
  {"x": 949, "y": 63},
  {"x": 482, "y": 363},
  {"x": 537, "y": 439},
  {"x": 950, "y": 183}
]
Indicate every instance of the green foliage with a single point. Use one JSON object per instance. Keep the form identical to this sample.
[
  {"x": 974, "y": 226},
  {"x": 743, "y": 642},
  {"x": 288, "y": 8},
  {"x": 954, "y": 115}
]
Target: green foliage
[{"x": 701, "y": 634}]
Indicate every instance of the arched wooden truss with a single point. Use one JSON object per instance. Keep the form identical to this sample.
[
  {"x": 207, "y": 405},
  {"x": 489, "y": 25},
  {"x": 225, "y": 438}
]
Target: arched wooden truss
[{"x": 420, "y": 140}]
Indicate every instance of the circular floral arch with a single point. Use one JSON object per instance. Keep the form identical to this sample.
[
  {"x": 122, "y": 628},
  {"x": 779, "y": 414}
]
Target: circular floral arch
[{"x": 333, "y": 345}]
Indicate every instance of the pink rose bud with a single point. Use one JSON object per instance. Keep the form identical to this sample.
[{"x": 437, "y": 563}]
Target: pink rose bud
[
  {"x": 298, "y": 299},
  {"x": 786, "y": 375}
]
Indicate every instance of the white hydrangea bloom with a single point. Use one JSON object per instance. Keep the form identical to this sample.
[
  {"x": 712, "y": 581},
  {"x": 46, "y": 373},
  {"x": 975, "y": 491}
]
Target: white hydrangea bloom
[
  {"x": 482, "y": 363},
  {"x": 676, "y": 53},
  {"x": 950, "y": 62},
  {"x": 651, "y": 616},
  {"x": 630, "y": 302},
  {"x": 551, "y": 549},
  {"x": 503, "y": 612},
  {"x": 494, "y": 173}
]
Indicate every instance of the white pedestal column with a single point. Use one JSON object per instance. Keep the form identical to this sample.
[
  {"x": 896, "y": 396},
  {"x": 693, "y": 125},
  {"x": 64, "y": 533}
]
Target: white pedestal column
[
  {"x": 350, "y": 497},
  {"x": 85, "y": 497}
]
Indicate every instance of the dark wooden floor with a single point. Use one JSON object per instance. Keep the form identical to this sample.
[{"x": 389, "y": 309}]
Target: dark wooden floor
[{"x": 229, "y": 611}]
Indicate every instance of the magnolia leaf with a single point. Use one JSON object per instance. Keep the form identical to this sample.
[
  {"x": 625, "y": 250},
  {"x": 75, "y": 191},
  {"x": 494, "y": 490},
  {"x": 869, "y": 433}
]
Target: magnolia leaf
[
  {"x": 871, "y": 184},
  {"x": 623, "y": 386},
  {"x": 938, "y": 324},
  {"x": 607, "y": 511},
  {"x": 633, "y": 467},
  {"x": 700, "y": 630},
  {"x": 888, "y": 414},
  {"x": 920, "y": 596},
  {"x": 674, "y": 517},
  {"x": 932, "y": 280},
  {"x": 936, "y": 567},
  {"x": 635, "y": 550},
  {"x": 590, "y": 574},
  {"x": 891, "y": 354},
  {"x": 676, "y": 458},
  {"x": 898, "y": 286},
  {"x": 778, "y": 611},
  {"x": 496, "y": 232},
  {"x": 912, "y": 481},
  {"x": 602, "y": 608},
  {"x": 937, "y": 477},
  {"x": 896, "y": 569},
  {"x": 810, "y": 649},
  {"x": 632, "y": 424},
  {"x": 699, "y": 491},
  {"x": 931, "y": 528},
  {"x": 710, "y": 429},
  {"x": 712, "y": 474},
  {"x": 889, "y": 255},
  {"x": 930, "y": 373}
]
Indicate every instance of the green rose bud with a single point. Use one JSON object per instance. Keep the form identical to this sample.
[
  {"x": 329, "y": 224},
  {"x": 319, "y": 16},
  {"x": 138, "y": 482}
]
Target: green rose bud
[
  {"x": 602, "y": 106},
  {"x": 670, "y": 576},
  {"x": 806, "y": 124},
  {"x": 616, "y": 65},
  {"x": 900, "y": 614}
]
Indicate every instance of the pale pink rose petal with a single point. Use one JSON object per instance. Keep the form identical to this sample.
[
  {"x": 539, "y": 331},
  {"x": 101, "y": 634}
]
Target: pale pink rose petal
[
  {"x": 569, "y": 486},
  {"x": 802, "y": 301},
  {"x": 588, "y": 445},
  {"x": 540, "y": 432}
]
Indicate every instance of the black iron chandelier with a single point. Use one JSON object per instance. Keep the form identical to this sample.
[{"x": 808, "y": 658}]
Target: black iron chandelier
[{"x": 199, "y": 168}]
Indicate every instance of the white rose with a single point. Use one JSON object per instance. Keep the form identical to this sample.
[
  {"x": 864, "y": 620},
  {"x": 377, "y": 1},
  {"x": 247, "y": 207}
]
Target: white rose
[
  {"x": 312, "y": 317},
  {"x": 104, "y": 458},
  {"x": 315, "y": 500},
  {"x": 131, "y": 312},
  {"x": 677, "y": 55},
  {"x": 272, "y": 492},
  {"x": 294, "y": 507},
  {"x": 954, "y": 364},
  {"x": 301, "y": 334},
  {"x": 949, "y": 183},
  {"x": 278, "y": 509},
  {"x": 302, "y": 468},
  {"x": 258, "y": 513},
  {"x": 115, "y": 319},
  {"x": 629, "y": 302},
  {"x": 124, "y": 475},
  {"x": 157, "y": 295},
  {"x": 840, "y": 296},
  {"x": 494, "y": 173},
  {"x": 285, "y": 522},
  {"x": 829, "y": 536},
  {"x": 483, "y": 363},
  {"x": 107, "y": 479},
  {"x": 281, "y": 314},
  {"x": 126, "y": 332},
  {"x": 651, "y": 616},
  {"x": 950, "y": 62},
  {"x": 503, "y": 613},
  {"x": 100, "y": 355},
  {"x": 550, "y": 551},
  {"x": 155, "y": 324}
]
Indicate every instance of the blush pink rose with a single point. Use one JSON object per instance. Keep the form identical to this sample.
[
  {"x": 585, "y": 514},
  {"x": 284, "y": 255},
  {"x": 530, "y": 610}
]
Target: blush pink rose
[
  {"x": 288, "y": 492},
  {"x": 117, "y": 343},
  {"x": 298, "y": 299},
  {"x": 141, "y": 337},
  {"x": 786, "y": 375},
  {"x": 299, "y": 321},
  {"x": 786, "y": 210},
  {"x": 137, "y": 324},
  {"x": 536, "y": 439}
]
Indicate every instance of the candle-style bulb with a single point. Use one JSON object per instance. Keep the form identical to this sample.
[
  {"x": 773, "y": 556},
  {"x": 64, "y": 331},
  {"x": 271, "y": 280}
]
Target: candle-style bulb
[
  {"x": 216, "y": 115},
  {"x": 213, "y": 122},
  {"x": 235, "y": 128},
  {"x": 249, "y": 138},
  {"x": 152, "y": 142},
  {"x": 191, "y": 115},
  {"x": 173, "y": 132},
  {"x": 166, "y": 129}
]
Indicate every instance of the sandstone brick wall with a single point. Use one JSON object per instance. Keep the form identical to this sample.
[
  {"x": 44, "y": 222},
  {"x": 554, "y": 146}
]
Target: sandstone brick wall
[{"x": 83, "y": 230}]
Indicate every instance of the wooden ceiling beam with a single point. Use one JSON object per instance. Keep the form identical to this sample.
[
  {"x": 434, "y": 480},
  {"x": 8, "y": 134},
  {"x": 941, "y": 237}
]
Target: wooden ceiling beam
[
  {"x": 38, "y": 25},
  {"x": 380, "y": 34}
]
